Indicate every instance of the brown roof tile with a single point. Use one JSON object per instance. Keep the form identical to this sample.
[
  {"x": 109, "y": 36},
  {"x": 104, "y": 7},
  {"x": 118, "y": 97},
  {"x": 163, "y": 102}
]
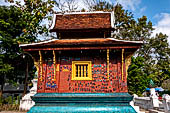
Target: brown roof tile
[{"x": 83, "y": 21}]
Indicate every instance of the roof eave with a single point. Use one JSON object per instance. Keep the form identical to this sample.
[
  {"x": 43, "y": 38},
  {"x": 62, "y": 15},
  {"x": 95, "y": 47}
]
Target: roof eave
[{"x": 53, "y": 40}]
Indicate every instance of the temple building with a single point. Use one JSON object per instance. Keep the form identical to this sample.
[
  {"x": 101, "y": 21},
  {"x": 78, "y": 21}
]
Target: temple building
[{"x": 84, "y": 69}]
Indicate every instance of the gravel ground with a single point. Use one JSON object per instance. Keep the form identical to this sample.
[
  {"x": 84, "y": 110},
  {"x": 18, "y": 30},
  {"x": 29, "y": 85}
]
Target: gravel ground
[{"x": 11, "y": 112}]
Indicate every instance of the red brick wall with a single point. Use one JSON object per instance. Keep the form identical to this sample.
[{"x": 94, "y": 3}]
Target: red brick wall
[{"x": 100, "y": 82}]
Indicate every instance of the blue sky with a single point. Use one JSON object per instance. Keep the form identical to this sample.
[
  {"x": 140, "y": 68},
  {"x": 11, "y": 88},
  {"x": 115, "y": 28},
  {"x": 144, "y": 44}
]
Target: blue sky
[
  {"x": 152, "y": 9},
  {"x": 157, "y": 11}
]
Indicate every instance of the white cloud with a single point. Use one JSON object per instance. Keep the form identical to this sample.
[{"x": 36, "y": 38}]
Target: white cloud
[
  {"x": 129, "y": 4},
  {"x": 81, "y": 5},
  {"x": 142, "y": 10},
  {"x": 163, "y": 25},
  {"x": 4, "y": 3}
]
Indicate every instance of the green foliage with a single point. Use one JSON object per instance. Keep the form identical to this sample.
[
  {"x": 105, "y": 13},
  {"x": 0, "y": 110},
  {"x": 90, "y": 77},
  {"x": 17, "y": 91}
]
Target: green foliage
[
  {"x": 10, "y": 100},
  {"x": 1, "y": 100},
  {"x": 33, "y": 13},
  {"x": 10, "y": 28},
  {"x": 4, "y": 68},
  {"x": 137, "y": 79},
  {"x": 154, "y": 50},
  {"x": 128, "y": 28},
  {"x": 160, "y": 53},
  {"x": 20, "y": 23},
  {"x": 103, "y": 6}
]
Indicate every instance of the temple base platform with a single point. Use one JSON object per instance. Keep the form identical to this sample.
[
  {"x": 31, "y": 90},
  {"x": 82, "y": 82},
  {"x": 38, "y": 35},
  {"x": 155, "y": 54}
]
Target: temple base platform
[{"x": 82, "y": 103}]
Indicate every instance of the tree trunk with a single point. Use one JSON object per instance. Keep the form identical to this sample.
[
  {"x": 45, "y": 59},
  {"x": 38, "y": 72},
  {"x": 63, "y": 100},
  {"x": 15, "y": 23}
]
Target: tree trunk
[
  {"x": 26, "y": 77},
  {"x": 2, "y": 87}
]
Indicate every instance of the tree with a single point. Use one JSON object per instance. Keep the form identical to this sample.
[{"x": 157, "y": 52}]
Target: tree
[
  {"x": 20, "y": 23},
  {"x": 98, "y": 5},
  {"x": 10, "y": 28},
  {"x": 155, "y": 65},
  {"x": 4, "y": 70},
  {"x": 34, "y": 12},
  {"x": 66, "y": 5},
  {"x": 154, "y": 51},
  {"x": 137, "y": 78},
  {"x": 160, "y": 54},
  {"x": 128, "y": 28}
]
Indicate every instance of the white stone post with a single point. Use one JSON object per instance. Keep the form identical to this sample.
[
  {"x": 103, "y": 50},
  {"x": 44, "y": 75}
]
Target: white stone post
[
  {"x": 26, "y": 103},
  {"x": 166, "y": 99},
  {"x": 154, "y": 98}
]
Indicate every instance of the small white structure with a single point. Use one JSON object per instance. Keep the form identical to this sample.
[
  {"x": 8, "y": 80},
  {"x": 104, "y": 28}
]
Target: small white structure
[
  {"x": 26, "y": 103},
  {"x": 154, "y": 98},
  {"x": 166, "y": 103}
]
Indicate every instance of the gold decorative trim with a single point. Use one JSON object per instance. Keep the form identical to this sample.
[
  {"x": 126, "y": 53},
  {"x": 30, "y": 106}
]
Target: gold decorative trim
[
  {"x": 41, "y": 64},
  {"x": 128, "y": 62},
  {"x": 108, "y": 64},
  {"x": 54, "y": 62},
  {"x": 122, "y": 62}
]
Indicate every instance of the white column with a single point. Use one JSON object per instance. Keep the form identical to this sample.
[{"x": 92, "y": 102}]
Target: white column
[{"x": 154, "y": 98}]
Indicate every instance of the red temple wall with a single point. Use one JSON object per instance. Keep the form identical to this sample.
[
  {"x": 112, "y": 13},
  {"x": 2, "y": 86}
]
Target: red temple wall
[{"x": 100, "y": 82}]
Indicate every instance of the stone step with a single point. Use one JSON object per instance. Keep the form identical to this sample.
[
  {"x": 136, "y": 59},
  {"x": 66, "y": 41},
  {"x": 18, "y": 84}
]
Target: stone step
[
  {"x": 137, "y": 109},
  {"x": 155, "y": 111},
  {"x": 143, "y": 110}
]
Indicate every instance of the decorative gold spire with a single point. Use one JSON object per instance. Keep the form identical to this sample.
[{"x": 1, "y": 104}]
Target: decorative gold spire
[{"x": 122, "y": 62}]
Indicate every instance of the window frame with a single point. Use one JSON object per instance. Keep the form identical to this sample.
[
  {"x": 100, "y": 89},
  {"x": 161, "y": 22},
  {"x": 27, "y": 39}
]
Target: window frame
[{"x": 88, "y": 63}]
